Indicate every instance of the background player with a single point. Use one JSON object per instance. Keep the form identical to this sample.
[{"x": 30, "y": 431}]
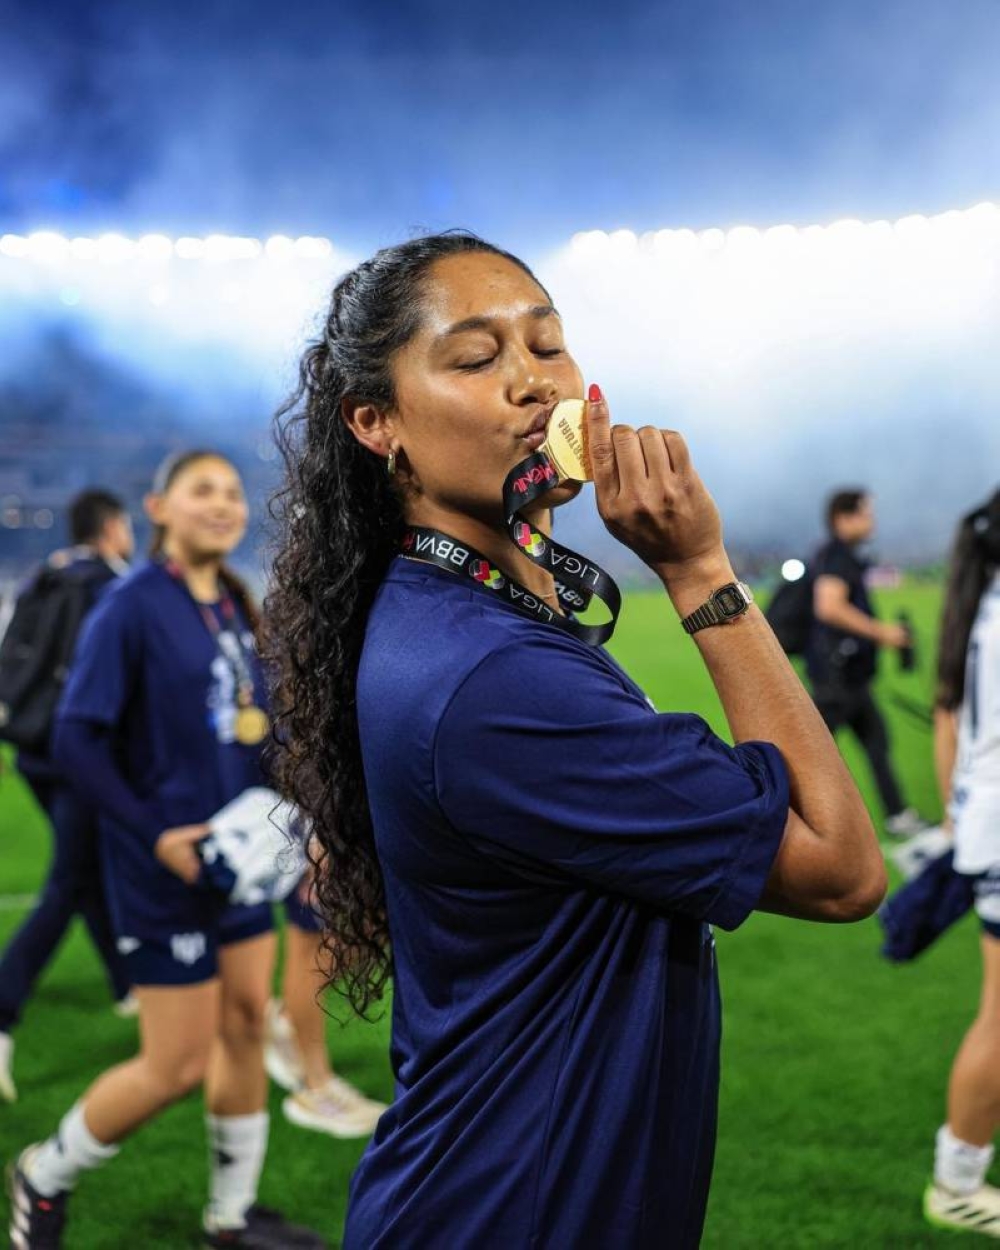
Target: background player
[
  {"x": 297, "y": 1053},
  {"x": 68, "y": 585},
  {"x": 843, "y": 646},
  {"x": 968, "y": 748},
  {"x": 162, "y": 725}
]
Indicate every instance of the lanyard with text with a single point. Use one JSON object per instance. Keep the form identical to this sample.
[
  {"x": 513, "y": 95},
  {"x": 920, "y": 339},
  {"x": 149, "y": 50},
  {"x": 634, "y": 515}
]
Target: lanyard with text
[
  {"x": 252, "y": 722},
  {"x": 562, "y": 457},
  {"x": 578, "y": 579}
]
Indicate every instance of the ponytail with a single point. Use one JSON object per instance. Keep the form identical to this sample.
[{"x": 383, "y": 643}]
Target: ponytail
[{"x": 975, "y": 557}]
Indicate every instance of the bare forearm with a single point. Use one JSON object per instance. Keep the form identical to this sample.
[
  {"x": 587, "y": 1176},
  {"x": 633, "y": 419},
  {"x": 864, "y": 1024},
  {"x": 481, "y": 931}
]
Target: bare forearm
[
  {"x": 763, "y": 698},
  {"x": 852, "y": 621},
  {"x": 945, "y": 750}
]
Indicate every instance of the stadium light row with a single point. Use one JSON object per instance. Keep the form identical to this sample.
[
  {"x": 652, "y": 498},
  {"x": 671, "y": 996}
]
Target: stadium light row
[
  {"x": 50, "y": 247},
  {"x": 913, "y": 229}
]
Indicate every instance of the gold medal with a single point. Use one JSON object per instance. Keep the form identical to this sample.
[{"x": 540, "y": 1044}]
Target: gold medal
[
  {"x": 566, "y": 442},
  {"x": 252, "y": 724}
]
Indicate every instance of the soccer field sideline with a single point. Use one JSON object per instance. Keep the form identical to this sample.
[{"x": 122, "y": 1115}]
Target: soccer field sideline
[{"x": 834, "y": 1063}]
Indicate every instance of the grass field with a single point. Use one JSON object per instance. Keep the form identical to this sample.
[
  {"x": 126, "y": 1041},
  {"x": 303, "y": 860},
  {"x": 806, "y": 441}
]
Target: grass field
[{"x": 834, "y": 1062}]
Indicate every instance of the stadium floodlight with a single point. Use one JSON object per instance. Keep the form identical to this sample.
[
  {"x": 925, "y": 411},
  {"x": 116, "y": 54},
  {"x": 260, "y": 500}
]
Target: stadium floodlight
[
  {"x": 115, "y": 249},
  {"x": 743, "y": 238},
  {"x": 589, "y": 243},
  {"x": 279, "y": 247},
  {"x": 781, "y": 235},
  {"x": 13, "y": 245},
  {"x": 673, "y": 243},
  {"x": 847, "y": 228},
  {"x": 312, "y": 248},
  {"x": 46, "y": 245},
  {"x": 913, "y": 229},
  {"x": 793, "y": 570},
  {"x": 155, "y": 247},
  {"x": 188, "y": 248},
  {"x": 226, "y": 247},
  {"x": 623, "y": 241}
]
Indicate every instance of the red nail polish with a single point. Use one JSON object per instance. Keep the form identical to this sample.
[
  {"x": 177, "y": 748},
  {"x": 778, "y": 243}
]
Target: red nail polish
[{"x": 594, "y": 394}]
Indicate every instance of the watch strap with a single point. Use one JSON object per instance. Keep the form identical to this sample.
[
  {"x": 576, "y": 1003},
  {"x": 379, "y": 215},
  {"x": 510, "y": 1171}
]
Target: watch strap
[{"x": 701, "y": 618}]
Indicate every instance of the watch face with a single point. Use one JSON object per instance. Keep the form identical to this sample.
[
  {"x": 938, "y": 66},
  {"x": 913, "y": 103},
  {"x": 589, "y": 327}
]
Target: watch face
[{"x": 729, "y": 601}]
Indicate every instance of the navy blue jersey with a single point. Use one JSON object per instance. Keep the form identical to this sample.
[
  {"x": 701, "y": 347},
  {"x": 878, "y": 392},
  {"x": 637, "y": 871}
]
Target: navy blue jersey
[
  {"x": 833, "y": 656},
  {"x": 553, "y": 851},
  {"x": 148, "y": 670}
]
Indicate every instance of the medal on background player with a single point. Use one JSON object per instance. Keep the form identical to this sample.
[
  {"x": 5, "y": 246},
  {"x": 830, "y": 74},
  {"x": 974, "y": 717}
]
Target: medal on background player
[{"x": 252, "y": 722}]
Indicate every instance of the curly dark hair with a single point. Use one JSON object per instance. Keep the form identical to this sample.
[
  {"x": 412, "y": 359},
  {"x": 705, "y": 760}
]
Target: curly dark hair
[
  {"x": 340, "y": 520},
  {"x": 975, "y": 556}
]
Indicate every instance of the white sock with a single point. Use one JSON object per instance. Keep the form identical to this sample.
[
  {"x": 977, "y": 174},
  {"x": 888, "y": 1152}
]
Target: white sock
[
  {"x": 236, "y": 1148},
  {"x": 7, "y": 1091},
  {"x": 959, "y": 1166},
  {"x": 55, "y": 1165}
]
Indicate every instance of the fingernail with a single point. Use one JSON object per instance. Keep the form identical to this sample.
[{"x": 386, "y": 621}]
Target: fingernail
[{"x": 594, "y": 394}]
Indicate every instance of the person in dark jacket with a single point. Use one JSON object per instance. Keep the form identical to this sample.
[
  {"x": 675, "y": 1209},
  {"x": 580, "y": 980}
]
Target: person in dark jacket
[
  {"x": 841, "y": 655},
  {"x": 101, "y": 534}
]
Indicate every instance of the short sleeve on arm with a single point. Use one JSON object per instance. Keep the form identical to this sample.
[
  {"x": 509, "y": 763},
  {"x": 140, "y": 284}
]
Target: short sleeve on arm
[
  {"x": 836, "y": 561},
  {"x": 104, "y": 662},
  {"x": 545, "y": 761}
]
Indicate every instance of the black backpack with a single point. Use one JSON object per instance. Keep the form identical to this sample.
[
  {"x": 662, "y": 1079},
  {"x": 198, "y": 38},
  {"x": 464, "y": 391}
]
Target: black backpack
[
  {"x": 790, "y": 614},
  {"x": 37, "y": 647}
]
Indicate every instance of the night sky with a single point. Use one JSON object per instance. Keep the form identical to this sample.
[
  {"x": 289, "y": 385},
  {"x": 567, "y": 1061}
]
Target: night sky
[{"x": 524, "y": 121}]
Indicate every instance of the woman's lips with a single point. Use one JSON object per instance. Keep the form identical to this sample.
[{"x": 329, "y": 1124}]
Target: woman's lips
[
  {"x": 536, "y": 433},
  {"x": 535, "y": 439}
]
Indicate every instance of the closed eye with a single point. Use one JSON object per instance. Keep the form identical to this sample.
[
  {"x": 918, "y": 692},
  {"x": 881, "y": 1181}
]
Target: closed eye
[{"x": 476, "y": 364}]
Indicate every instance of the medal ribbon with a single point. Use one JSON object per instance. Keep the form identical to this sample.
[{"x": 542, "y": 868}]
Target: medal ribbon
[
  {"x": 578, "y": 580},
  {"x": 235, "y": 657}
]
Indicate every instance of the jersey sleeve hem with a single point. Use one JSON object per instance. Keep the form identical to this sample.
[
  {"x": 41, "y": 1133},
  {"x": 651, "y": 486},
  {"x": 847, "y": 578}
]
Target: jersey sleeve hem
[{"x": 741, "y": 891}]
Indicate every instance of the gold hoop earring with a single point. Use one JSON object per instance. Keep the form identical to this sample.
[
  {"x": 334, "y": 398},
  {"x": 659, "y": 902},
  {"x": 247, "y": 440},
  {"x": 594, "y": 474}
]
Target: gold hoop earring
[{"x": 390, "y": 464}]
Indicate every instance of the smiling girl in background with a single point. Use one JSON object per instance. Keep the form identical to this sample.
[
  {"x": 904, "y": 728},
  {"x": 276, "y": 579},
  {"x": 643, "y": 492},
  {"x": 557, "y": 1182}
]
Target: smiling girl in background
[{"x": 162, "y": 724}]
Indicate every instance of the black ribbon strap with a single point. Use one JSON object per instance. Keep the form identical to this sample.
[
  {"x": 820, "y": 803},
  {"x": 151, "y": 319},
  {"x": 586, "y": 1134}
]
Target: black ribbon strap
[{"x": 577, "y": 579}]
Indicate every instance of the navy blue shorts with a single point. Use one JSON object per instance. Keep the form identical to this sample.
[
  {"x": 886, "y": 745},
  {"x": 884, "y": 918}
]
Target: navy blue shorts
[
  {"x": 190, "y": 958},
  {"x": 301, "y": 915},
  {"x": 987, "y": 891}
]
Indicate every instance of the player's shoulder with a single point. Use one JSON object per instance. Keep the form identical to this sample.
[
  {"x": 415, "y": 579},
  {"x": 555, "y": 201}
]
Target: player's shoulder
[
  {"x": 125, "y": 601},
  {"x": 146, "y": 581}
]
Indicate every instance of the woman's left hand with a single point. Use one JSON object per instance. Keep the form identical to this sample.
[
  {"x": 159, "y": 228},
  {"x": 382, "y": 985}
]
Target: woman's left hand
[{"x": 175, "y": 849}]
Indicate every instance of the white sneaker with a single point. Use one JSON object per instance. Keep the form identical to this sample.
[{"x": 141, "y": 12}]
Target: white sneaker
[
  {"x": 8, "y": 1090},
  {"x": 906, "y": 823},
  {"x": 912, "y": 856},
  {"x": 126, "y": 1008},
  {"x": 338, "y": 1109},
  {"x": 282, "y": 1056},
  {"x": 978, "y": 1212}
]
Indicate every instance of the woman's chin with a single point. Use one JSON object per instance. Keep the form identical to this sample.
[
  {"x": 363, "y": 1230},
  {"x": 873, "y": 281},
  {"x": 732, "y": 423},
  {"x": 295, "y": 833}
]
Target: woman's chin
[{"x": 563, "y": 493}]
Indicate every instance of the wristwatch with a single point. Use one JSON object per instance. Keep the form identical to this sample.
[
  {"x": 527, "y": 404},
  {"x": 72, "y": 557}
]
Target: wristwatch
[{"x": 722, "y": 606}]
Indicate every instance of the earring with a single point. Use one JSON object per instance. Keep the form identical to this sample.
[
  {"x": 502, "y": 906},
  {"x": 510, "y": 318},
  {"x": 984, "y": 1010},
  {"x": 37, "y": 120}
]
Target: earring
[{"x": 390, "y": 464}]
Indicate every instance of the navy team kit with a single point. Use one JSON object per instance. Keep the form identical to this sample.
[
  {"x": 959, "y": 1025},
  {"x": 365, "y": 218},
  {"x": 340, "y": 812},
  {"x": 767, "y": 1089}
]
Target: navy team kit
[
  {"x": 554, "y": 853},
  {"x": 148, "y": 732}
]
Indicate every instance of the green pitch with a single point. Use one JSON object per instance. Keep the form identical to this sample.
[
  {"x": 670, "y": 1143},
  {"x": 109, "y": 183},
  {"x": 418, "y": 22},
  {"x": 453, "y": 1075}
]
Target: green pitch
[{"x": 834, "y": 1062}]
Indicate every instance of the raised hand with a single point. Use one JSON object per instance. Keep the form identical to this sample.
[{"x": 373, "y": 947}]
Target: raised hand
[{"x": 650, "y": 497}]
